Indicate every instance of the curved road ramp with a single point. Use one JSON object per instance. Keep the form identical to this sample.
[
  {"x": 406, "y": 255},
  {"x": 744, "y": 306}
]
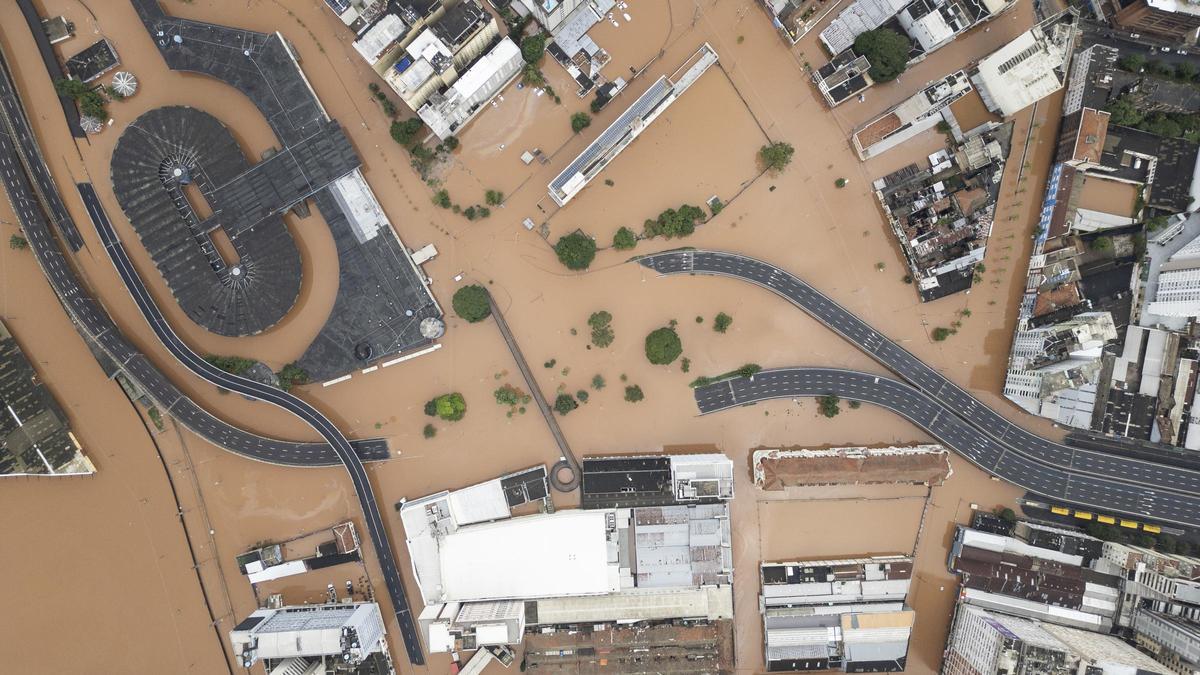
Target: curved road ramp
[
  {"x": 1099, "y": 480},
  {"x": 29, "y": 186}
]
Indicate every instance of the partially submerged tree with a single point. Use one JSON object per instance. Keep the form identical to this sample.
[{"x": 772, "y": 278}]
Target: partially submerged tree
[
  {"x": 471, "y": 303},
  {"x": 576, "y": 250},
  {"x": 663, "y": 346},
  {"x": 776, "y": 156}
]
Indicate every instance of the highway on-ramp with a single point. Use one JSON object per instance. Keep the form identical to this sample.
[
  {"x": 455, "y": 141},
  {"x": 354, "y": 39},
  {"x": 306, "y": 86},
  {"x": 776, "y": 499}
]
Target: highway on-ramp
[
  {"x": 263, "y": 392},
  {"x": 943, "y": 424},
  {"x": 1153, "y": 476},
  {"x": 27, "y": 189}
]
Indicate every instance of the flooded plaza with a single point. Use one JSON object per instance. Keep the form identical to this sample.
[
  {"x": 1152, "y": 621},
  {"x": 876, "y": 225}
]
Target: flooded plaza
[{"x": 114, "y": 544}]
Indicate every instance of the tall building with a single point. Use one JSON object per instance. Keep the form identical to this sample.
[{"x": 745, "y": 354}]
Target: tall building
[
  {"x": 1174, "y": 641},
  {"x": 1178, "y": 290},
  {"x": 1170, "y": 19},
  {"x": 1029, "y": 68},
  {"x": 450, "y": 110},
  {"x": 982, "y": 642},
  {"x": 552, "y": 13},
  {"x": 348, "y": 632}
]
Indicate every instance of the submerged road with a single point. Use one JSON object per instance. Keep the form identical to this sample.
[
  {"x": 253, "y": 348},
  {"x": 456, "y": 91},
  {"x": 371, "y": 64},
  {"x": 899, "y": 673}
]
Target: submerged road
[
  {"x": 1153, "y": 477},
  {"x": 943, "y": 424},
  {"x": 567, "y": 463},
  {"x": 18, "y": 150}
]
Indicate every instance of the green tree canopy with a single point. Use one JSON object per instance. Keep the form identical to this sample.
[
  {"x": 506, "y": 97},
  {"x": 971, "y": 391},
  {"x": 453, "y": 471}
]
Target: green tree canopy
[
  {"x": 1132, "y": 62},
  {"x": 674, "y": 222},
  {"x": 565, "y": 403},
  {"x": 234, "y": 365},
  {"x": 576, "y": 250},
  {"x": 406, "y": 132},
  {"x": 828, "y": 405},
  {"x": 633, "y": 393},
  {"x": 624, "y": 239},
  {"x": 291, "y": 375},
  {"x": 663, "y": 346},
  {"x": 776, "y": 156},
  {"x": 887, "y": 51},
  {"x": 471, "y": 303},
  {"x": 722, "y": 322},
  {"x": 450, "y": 407},
  {"x": 580, "y": 121},
  {"x": 1124, "y": 113},
  {"x": 533, "y": 47}
]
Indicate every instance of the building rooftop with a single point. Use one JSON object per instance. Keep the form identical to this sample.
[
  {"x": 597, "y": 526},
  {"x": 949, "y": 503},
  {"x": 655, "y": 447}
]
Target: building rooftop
[
  {"x": 94, "y": 61},
  {"x": 380, "y": 37},
  {"x": 461, "y": 22},
  {"x": 1090, "y": 140},
  {"x": 349, "y": 632},
  {"x": 382, "y": 296},
  {"x": 844, "y": 76},
  {"x": 35, "y": 435},
  {"x": 448, "y": 112},
  {"x": 1030, "y": 67},
  {"x": 655, "y": 480},
  {"x": 628, "y": 126},
  {"x": 228, "y": 297},
  {"x": 778, "y": 469},
  {"x": 564, "y": 553}
]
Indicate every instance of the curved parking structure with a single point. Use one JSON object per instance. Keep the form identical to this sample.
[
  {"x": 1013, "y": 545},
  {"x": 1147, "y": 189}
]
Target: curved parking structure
[
  {"x": 943, "y": 424},
  {"x": 16, "y": 133},
  {"x": 263, "y": 392}
]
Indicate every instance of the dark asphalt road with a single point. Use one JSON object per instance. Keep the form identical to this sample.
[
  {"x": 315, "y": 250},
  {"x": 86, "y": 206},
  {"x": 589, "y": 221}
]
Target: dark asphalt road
[
  {"x": 16, "y": 169},
  {"x": 1150, "y": 478},
  {"x": 942, "y": 423}
]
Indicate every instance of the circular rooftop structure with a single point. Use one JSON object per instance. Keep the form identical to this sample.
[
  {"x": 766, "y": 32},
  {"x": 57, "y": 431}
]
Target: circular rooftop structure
[
  {"x": 432, "y": 328},
  {"x": 172, "y": 170},
  {"x": 91, "y": 124},
  {"x": 124, "y": 83}
]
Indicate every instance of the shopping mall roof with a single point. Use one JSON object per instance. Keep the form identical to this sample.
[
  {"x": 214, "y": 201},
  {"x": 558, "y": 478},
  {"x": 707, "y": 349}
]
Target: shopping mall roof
[{"x": 546, "y": 555}]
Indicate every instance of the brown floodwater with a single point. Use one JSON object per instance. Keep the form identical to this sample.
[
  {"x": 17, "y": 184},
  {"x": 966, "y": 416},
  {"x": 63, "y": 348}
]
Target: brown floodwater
[
  {"x": 705, "y": 144},
  {"x": 1107, "y": 196}
]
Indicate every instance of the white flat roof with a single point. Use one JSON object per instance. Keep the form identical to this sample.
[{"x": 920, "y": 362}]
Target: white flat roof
[
  {"x": 479, "y": 503},
  {"x": 375, "y": 41},
  {"x": 549, "y": 555}
]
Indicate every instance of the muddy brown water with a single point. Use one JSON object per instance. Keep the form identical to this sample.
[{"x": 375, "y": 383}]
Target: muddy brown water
[{"x": 704, "y": 145}]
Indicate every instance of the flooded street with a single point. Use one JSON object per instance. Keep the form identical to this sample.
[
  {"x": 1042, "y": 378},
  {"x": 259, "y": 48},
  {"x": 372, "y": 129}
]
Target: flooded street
[{"x": 704, "y": 145}]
